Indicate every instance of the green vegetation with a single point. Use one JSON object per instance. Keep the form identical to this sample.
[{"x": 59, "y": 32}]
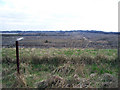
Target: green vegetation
[{"x": 65, "y": 67}]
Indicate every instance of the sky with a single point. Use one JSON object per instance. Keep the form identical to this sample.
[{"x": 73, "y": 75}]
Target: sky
[{"x": 63, "y": 15}]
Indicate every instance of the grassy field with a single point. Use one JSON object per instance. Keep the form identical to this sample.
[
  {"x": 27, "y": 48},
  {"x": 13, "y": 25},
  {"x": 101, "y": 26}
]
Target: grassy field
[{"x": 65, "y": 67}]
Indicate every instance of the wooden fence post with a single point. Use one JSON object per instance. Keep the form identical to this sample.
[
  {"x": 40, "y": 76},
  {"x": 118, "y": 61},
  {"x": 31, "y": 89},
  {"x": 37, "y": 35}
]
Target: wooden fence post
[{"x": 17, "y": 57}]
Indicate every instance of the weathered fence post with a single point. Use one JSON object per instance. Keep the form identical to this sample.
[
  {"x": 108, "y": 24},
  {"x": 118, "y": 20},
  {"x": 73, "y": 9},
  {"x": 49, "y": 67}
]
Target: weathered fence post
[
  {"x": 17, "y": 57},
  {"x": 17, "y": 54}
]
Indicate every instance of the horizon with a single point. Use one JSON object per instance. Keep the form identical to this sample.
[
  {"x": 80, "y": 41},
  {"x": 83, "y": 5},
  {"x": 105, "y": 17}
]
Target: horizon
[
  {"x": 58, "y": 15},
  {"x": 55, "y": 31}
]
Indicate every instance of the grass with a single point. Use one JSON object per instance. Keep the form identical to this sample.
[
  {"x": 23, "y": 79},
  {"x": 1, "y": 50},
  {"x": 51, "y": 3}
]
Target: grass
[{"x": 39, "y": 64}]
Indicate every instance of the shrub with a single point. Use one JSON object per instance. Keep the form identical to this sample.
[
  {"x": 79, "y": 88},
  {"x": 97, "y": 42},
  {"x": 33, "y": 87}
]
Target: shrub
[{"x": 46, "y": 41}]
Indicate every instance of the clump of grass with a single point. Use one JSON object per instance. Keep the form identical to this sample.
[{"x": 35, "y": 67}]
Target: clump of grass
[
  {"x": 71, "y": 82},
  {"x": 86, "y": 59},
  {"x": 19, "y": 81},
  {"x": 100, "y": 58},
  {"x": 35, "y": 59},
  {"x": 64, "y": 70},
  {"x": 82, "y": 59},
  {"x": 52, "y": 81},
  {"x": 8, "y": 60},
  {"x": 53, "y": 60},
  {"x": 81, "y": 70}
]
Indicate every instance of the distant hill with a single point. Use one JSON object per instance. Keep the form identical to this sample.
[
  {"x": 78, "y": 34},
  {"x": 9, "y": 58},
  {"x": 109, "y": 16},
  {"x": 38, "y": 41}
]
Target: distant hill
[{"x": 90, "y": 31}]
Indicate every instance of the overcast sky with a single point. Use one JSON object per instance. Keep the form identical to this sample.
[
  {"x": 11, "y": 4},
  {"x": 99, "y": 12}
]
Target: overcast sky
[{"x": 59, "y": 15}]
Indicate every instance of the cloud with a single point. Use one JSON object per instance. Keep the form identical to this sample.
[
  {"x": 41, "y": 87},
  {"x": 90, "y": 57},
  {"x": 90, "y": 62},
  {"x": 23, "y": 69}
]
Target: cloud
[{"x": 58, "y": 14}]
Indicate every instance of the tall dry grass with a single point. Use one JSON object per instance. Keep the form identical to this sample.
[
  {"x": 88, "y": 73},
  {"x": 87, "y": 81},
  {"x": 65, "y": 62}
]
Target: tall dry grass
[{"x": 65, "y": 67}]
